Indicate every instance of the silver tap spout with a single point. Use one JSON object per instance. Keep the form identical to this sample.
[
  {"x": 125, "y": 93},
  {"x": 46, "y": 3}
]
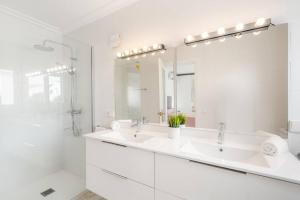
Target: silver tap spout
[{"x": 221, "y": 132}]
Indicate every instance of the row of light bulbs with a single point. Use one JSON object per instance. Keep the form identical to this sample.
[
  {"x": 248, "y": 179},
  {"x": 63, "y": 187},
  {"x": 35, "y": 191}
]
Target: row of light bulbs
[
  {"x": 255, "y": 28},
  {"x": 58, "y": 69},
  {"x": 142, "y": 52}
]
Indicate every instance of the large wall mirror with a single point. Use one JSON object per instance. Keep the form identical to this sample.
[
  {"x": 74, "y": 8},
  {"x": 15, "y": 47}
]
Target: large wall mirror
[
  {"x": 241, "y": 82},
  {"x": 144, "y": 87}
]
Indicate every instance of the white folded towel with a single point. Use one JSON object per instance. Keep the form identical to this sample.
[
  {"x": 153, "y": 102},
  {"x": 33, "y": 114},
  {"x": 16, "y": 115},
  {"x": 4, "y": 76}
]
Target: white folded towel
[
  {"x": 125, "y": 123},
  {"x": 274, "y": 146}
]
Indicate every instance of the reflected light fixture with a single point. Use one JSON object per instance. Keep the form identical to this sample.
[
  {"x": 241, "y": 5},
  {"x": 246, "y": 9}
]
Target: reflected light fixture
[
  {"x": 261, "y": 24},
  {"x": 136, "y": 53}
]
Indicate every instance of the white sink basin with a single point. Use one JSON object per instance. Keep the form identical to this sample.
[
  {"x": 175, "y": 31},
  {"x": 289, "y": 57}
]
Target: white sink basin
[
  {"x": 137, "y": 137},
  {"x": 130, "y": 136},
  {"x": 228, "y": 153}
]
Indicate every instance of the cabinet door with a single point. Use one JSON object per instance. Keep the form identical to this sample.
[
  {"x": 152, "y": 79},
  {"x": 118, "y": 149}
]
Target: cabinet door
[
  {"x": 262, "y": 188},
  {"x": 133, "y": 163},
  {"x": 196, "y": 181},
  {"x": 115, "y": 187}
]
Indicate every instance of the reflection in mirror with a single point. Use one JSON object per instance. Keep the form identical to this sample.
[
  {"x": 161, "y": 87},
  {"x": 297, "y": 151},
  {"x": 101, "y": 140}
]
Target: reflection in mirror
[
  {"x": 144, "y": 87},
  {"x": 241, "y": 82}
]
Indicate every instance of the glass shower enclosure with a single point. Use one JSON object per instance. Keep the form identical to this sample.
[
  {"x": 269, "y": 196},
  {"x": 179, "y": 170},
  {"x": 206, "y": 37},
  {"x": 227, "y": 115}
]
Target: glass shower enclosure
[{"x": 45, "y": 108}]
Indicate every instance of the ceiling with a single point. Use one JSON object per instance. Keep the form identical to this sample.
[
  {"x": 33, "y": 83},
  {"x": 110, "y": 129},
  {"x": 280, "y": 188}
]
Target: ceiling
[{"x": 66, "y": 15}]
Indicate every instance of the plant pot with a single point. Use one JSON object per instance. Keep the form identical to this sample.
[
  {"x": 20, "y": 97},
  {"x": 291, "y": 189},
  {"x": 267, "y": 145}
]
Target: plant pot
[
  {"x": 174, "y": 133},
  {"x": 182, "y": 126}
]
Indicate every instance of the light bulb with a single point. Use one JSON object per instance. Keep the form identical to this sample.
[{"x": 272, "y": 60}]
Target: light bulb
[
  {"x": 135, "y": 50},
  {"x": 155, "y": 46},
  {"x": 126, "y": 52},
  {"x": 260, "y": 22},
  {"x": 189, "y": 38},
  {"x": 222, "y": 39},
  {"x": 194, "y": 45},
  {"x": 239, "y": 36},
  {"x": 145, "y": 49},
  {"x": 221, "y": 31},
  {"x": 128, "y": 58},
  {"x": 119, "y": 54},
  {"x": 256, "y": 33},
  {"x": 144, "y": 55},
  {"x": 204, "y": 35},
  {"x": 153, "y": 54},
  {"x": 239, "y": 27},
  {"x": 163, "y": 51}
]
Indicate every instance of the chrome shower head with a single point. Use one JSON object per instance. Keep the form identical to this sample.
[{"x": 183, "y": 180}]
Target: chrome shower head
[{"x": 43, "y": 47}]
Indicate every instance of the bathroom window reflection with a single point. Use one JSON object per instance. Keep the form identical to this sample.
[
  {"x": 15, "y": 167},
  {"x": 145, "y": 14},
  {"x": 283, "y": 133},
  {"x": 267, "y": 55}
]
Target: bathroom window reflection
[
  {"x": 55, "y": 89},
  {"x": 6, "y": 87},
  {"x": 35, "y": 85}
]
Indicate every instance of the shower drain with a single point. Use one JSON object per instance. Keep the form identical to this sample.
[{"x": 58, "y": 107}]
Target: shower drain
[{"x": 47, "y": 192}]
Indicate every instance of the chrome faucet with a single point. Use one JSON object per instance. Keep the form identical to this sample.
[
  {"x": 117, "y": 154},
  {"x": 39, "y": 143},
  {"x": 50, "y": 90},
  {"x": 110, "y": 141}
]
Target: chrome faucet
[
  {"x": 138, "y": 124},
  {"x": 221, "y": 132}
]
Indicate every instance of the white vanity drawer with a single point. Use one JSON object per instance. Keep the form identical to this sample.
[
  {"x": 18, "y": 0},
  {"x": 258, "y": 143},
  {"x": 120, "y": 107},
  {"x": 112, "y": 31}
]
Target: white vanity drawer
[
  {"x": 132, "y": 163},
  {"x": 115, "y": 187},
  {"x": 194, "y": 181}
]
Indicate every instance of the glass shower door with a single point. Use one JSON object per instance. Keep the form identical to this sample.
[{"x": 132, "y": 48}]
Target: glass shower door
[{"x": 45, "y": 107}]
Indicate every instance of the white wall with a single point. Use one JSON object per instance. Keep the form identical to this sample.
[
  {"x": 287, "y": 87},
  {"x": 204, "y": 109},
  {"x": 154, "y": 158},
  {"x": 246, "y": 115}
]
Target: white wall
[{"x": 169, "y": 21}]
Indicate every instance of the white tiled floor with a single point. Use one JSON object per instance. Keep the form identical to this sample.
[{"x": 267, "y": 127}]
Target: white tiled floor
[
  {"x": 87, "y": 195},
  {"x": 66, "y": 186}
]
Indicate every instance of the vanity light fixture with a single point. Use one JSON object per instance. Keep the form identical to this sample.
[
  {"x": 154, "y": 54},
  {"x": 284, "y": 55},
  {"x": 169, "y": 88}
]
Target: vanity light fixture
[
  {"x": 238, "y": 31},
  {"x": 142, "y": 52}
]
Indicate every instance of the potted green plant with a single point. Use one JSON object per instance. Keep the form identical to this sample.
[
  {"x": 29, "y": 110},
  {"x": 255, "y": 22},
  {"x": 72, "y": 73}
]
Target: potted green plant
[
  {"x": 182, "y": 119},
  {"x": 174, "y": 124}
]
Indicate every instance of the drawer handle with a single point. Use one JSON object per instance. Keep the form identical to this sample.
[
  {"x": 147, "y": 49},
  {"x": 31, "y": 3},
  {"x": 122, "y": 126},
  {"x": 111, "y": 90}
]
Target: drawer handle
[
  {"x": 114, "y": 174},
  {"x": 120, "y": 145},
  {"x": 224, "y": 168}
]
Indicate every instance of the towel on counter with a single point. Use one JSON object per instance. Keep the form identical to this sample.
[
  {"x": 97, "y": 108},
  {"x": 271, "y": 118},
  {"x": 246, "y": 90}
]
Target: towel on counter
[{"x": 274, "y": 146}]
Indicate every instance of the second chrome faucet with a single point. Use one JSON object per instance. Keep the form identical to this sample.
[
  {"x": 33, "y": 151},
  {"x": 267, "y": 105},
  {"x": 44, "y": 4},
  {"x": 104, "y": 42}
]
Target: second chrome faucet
[{"x": 221, "y": 132}]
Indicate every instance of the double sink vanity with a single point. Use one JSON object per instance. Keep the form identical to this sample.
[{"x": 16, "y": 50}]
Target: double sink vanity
[
  {"x": 241, "y": 83},
  {"x": 147, "y": 165}
]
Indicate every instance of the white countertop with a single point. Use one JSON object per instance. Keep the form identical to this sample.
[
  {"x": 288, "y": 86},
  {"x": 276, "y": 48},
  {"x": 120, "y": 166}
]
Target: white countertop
[{"x": 286, "y": 167}]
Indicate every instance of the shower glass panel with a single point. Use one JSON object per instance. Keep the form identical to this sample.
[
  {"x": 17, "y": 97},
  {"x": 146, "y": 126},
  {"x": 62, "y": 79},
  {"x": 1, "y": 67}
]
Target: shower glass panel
[{"x": 45, "y": 108}]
